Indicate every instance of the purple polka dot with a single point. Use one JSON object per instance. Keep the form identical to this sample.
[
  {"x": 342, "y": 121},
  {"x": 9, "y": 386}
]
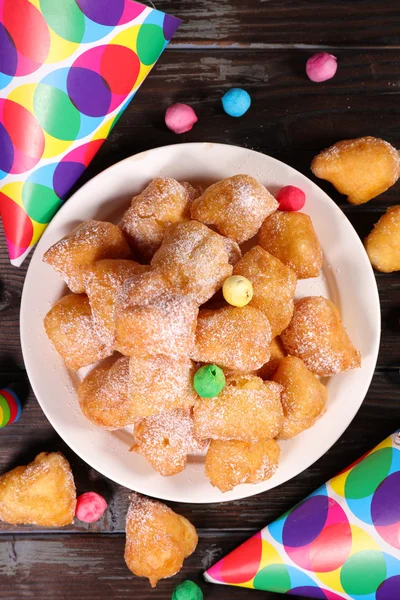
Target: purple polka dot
[
  {"x": 305, "y": 522},
  {"x": 8, "y": 53},
  {"x": 385, "y": 505},
  {"x": 104, "y": 12},
  {"x": 88, "y": 91},
  {"x": 389, "y": 589},
  {"x": 7, "y": 150},
  {"x": 65, "y": 175},
  {"x": 308, "y": 591},
  {"x": 170, "y": 26}
]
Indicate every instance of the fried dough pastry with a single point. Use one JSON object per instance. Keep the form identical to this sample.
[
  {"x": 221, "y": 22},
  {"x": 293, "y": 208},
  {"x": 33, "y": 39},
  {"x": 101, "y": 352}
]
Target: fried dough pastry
[
  {"x": 317, "y": 336},
  {"x": 69, "y": 325},
  {"x": 383, "y": 243},
  {"x": 277, "y": 354},
  {"x": 41, "y": 493},
  {"x": 157, "y": 539},
  {"x": 230, "y": 463},
  {"x": 102, "y": 283},
  {"x": 90, "y": 241},
  {"x": 166, "y": 439},
  {"x": 231, "y": 337},
  {"x": 360, "y": 169},
  {"x": 159, "y": 384},
  {"x": 162, "y": 202},
  {"x": 290, "y": 236},
  {"x": 235, "y": 206},
  {"x": 151, "y": 319},
  {"x": 194, "y": 260},
  {"x": 274, "y": 286},
  {"x": 103, "y": 396},
  {"x": 303, "y": 397},
  {"x": 248, "y": 409}
]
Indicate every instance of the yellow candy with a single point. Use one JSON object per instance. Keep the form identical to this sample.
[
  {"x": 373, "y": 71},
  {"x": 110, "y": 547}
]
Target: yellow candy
[{"x": 237, "y": 290}]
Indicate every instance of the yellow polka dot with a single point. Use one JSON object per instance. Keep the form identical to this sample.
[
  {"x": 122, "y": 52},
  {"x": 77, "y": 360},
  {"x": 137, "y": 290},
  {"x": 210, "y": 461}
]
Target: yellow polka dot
[
  {"x": 269, "y": 555},
  {"x": 361, "y": 540},
  {"x": 59, "y": 48},
  {"x": 38, "y": 229},
  {"x": 24, "y": 95},
  {"x": 14, "y": 191},
  {"x": 331, "y": 579},
  {"x": 338, "y": 483},
  {"x": 53, "y": 146},
  {"x": 127, "y": 38}
]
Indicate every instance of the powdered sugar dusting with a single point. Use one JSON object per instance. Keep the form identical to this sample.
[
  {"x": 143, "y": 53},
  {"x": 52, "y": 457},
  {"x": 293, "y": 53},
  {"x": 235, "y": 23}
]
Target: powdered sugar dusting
[
  {"x": 166, "y": 439},
  {"x": 160, "y": 383},
  {"x": 151, "y": 320},
  {"x": 235, "y": 338},
  {"x": 194, "y": 260},
  {"x": 317, "y": 336},
  {"x": 90, "y": 241},
  {"x": 163, "y": 202},
  {"x": 103, "y": 396},
  {"x": 247, "y": 409},
  {"x": 69, "y": 325},
  {"x": 236, "y": 206}
]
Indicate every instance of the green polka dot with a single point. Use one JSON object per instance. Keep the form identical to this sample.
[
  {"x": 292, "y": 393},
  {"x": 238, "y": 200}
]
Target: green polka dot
[
  {"x": 40, "y": 202},
  {"x": 150, "y": 43},
  {"x": 363, "y": 572},
  {"x": 5, "y": 413},
  {"x": 368, "y": 474},
  {"x": 273, "y": 578},
  {"x": 63, "y": 120},
  {"x": 65, "y": 18}
]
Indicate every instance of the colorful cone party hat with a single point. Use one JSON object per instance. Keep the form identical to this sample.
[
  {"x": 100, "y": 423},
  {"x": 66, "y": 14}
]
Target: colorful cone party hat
[
  {"x": 68, "y": 68},
  {"x": 342, "y": 541}
]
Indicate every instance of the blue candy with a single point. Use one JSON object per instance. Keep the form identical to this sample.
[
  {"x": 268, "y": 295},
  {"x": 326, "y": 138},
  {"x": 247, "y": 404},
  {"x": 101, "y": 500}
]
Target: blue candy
[{"x": 236, "y": 102}]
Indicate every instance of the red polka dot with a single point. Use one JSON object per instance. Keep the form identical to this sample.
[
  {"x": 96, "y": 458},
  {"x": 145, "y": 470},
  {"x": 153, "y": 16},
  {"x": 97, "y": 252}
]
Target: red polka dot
[
  {"x": 331, "y": 549},
  {"x": 17, "y": 225},
  {"x": 120, "y": 68},
  {"x": 28, "y": 30},
  {"x": 91, "y": 149},
  {"x": 24, "y": 130},
  {"x": 243, "y": 563}
]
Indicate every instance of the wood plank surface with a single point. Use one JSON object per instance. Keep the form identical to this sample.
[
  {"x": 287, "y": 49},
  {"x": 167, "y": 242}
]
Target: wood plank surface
[
  {"x": 89, "y": 567},
  {"x": 261, "y": 45},
  {"x": 236, "y": 23}
]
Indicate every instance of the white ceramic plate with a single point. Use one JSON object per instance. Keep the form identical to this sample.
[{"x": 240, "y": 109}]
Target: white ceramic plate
[{"x": 347, "y": 279}]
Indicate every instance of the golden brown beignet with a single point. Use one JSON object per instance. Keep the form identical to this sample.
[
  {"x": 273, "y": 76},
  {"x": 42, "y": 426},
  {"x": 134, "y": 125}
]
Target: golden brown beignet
[{"x": 90, "y": 241}]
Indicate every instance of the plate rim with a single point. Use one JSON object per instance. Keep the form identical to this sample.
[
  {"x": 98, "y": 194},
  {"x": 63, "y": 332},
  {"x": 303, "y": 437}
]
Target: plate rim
[{"x": 251, "y": 491}]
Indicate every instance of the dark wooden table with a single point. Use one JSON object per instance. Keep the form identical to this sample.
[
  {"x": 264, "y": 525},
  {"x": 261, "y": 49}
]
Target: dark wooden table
[{"x": 261, "y": 45}]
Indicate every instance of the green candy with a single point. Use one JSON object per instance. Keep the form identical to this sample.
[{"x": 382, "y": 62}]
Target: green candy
[
  {"x": 187, "y": 590},
  {"x": 209, "y": 381}
]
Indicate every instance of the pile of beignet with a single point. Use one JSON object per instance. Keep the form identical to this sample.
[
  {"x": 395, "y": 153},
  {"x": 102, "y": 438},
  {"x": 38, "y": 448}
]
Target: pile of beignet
[{"x": 167, "y": 317}]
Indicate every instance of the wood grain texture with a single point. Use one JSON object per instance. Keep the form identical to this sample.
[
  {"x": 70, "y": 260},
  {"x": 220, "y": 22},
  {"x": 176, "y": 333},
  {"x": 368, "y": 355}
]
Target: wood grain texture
[
  {"x": 261, "y": 45},
  {"x": 89, "y": 567},
  {"x": 286, "y": 22}
]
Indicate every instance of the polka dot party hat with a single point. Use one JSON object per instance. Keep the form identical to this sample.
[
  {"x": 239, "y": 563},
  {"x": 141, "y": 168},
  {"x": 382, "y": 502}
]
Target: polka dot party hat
[
  {"x": 342, "y": 541},
  {"x": 67, "y": 71}
]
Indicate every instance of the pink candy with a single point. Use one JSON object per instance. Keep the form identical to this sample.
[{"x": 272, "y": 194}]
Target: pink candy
[
  {"x": 180, "y": 118},
  {"x": 291, "y": 198},
  {"x": 90, "y": 507},
  {"x": 321, "y": 66}
]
